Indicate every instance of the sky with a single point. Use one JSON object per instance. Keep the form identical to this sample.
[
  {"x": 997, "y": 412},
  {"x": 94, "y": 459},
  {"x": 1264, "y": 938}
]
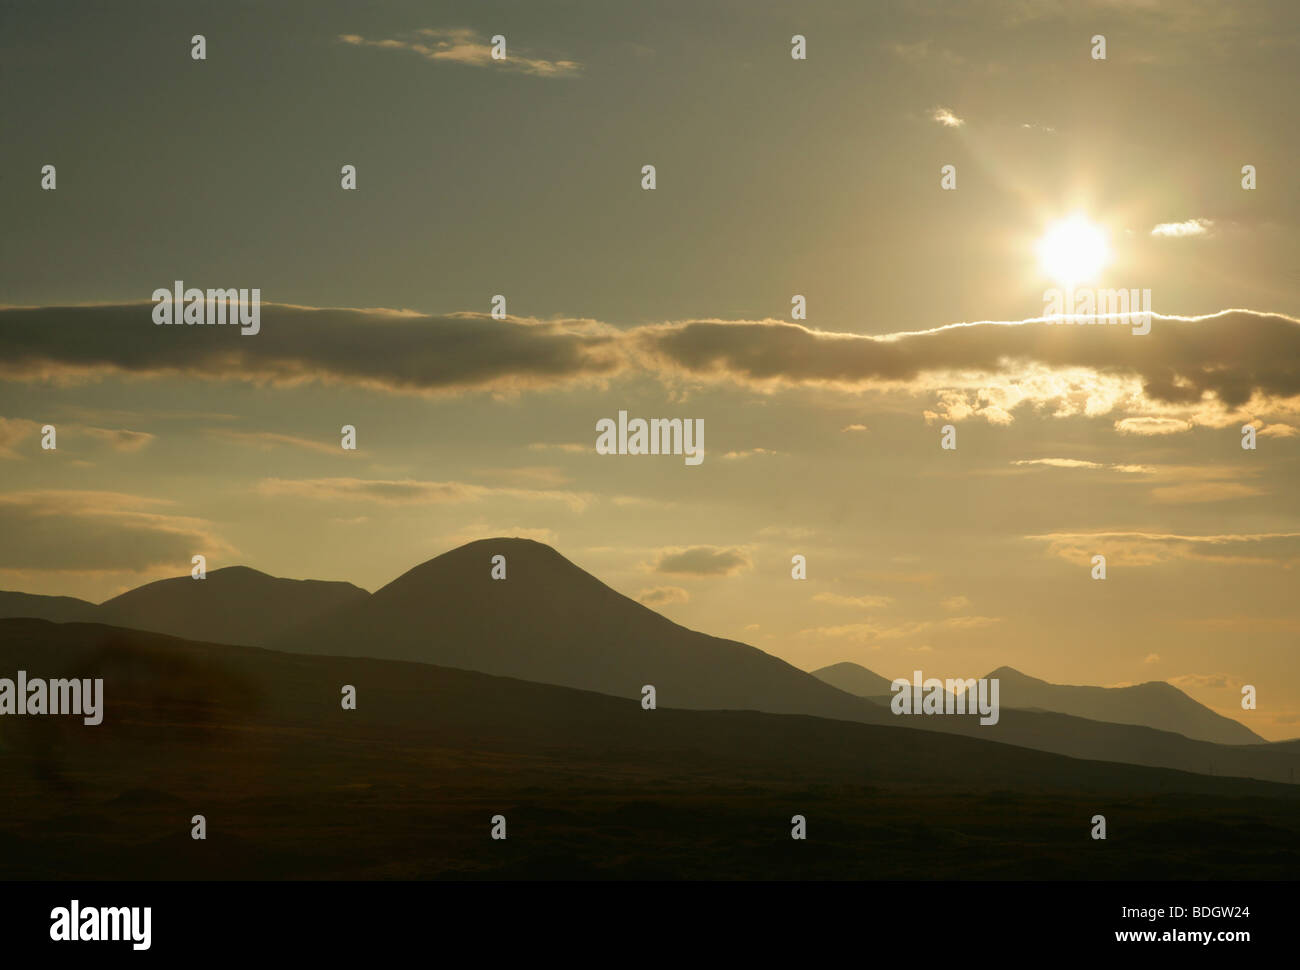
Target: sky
[{"x": 775, "y": 177}]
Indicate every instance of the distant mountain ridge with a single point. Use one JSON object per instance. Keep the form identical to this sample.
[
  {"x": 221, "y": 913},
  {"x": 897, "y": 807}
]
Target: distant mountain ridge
[
  {"x": 1155, "y": 704},
  {"x": 854, "y": 678}
]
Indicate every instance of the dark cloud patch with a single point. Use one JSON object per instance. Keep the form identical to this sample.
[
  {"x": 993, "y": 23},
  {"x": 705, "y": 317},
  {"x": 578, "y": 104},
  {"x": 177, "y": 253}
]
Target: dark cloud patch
[
  {"x": 384, "y": 349},
  {"x": 1232, "y": 355}
]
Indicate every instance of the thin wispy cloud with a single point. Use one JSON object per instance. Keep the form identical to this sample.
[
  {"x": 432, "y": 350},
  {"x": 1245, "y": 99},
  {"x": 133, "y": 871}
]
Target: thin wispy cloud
[
  {"x": 1152, "y": 426},
  {"x": 268, "y": 440},
  {"x": 662, "y": 596},
  {"x": 946, "y": 118},
  {"x": 99, "y": 531},
  {"x": 1181, "y": 230},
  {"x": 412, "y": 491},
  {"x": 470, "y": 49},
  {"x": 16, "y": 432},
  {"x": 861, "y": 602},
  {"x": 1154, "y": 548}
]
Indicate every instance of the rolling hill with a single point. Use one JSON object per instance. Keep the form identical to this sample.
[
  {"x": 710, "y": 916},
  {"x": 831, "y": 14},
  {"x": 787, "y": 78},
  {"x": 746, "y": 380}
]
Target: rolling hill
[
  {"x": 56, "y": 609},
  {"x": 234, "y": 604}
]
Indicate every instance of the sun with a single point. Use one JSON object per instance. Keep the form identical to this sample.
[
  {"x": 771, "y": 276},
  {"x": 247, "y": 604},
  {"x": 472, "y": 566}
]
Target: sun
[{"x": 1073, "y": 250}]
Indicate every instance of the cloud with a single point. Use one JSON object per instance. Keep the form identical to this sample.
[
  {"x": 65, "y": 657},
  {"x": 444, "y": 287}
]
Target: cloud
[
  {"x": 954, "y": 603},
  {"x": 1210, "y": 371},
  {"x": 854, "y": 427},
  {"x": 100, "y": 532},
  {"x": 1179, "y": 230},
  {"x": 1277, "y": 431},
  {"x": 752, "y": 452},
  {"x": 13, "y": 431},
  {"x": 1080, "y": 463},
  {"x": 901, "y": 631},
  {"x": 1188, "y": 483},
  {"x": 120, "y": 439},
  {"x": 266, "y": 440},
  {"x": 1197, "y": 370},
  {"x": 389, "y": 350},
  {"x": 1152, "y": 426},
  {"x": 1239, "y": 625},
  {"x": 1059, "y": 462},
  {"x": 545, "y": 476},
  {"x": 468, "y": 48},
  {"x": 568, "y": 447},
  {"x": 640, "y": 501},
  {"x": 411, "y": 492},
  {"x": 864, "y": 602},
  {"x": 1151, "y": 658},
  {"x": 1204, "y": 492},
  {"x": 1149, "y": 549},
  {"x": 946, "y": 118},
  {"x": 1206, "y": 680},
  {"x": 701, "y": 561},
  {"x": 662, "y": 595}
]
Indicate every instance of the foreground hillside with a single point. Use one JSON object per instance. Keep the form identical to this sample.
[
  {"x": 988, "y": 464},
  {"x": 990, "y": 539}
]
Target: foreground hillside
[{"x": 292, "y": 786}]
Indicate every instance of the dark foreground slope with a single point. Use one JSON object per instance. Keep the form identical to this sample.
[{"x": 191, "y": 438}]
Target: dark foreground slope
[{"x": 592, "y": 786}]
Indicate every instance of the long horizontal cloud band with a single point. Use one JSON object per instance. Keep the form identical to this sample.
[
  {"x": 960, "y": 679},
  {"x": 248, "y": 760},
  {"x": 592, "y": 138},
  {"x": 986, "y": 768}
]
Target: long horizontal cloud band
[
  {"x": 1234, "y": 355},
  {"x": 388, "y": 349},
  {"x": 1231, "y": 354}
]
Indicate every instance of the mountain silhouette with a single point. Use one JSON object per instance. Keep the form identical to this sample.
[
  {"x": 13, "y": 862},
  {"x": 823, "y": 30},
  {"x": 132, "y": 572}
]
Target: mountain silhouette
[
  {"x": 1154, "y": 704},
  {"x": 855, "y": 679},
  {"x": 551, "y": 622},
  {"x": 56, "y": 609},
  {"x": 234, "y": 604}
]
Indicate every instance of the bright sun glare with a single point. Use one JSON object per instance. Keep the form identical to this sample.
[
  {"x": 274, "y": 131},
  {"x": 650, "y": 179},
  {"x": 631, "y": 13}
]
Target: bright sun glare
[{"x": 1073, "y": 250}]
